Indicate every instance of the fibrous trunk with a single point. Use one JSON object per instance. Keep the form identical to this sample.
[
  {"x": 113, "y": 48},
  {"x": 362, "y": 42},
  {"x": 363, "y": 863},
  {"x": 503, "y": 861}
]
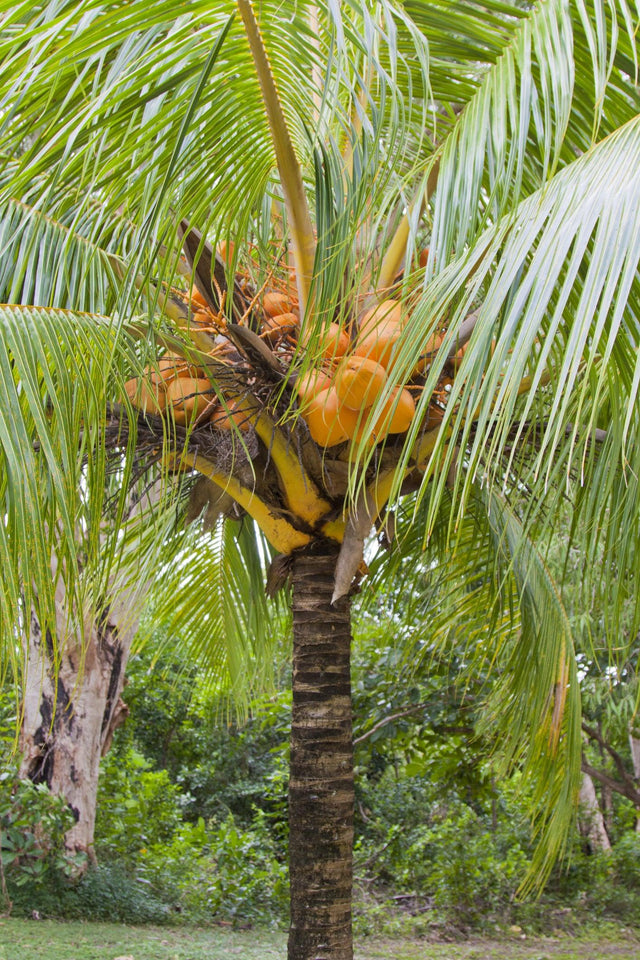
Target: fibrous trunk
[
  {"x": 72, "y": 705},
  {"x": 321, "y": 773}
]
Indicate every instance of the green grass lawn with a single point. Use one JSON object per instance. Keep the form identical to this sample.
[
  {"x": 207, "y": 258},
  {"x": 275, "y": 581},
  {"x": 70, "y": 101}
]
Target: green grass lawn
[{"x": 51, "y": 940}]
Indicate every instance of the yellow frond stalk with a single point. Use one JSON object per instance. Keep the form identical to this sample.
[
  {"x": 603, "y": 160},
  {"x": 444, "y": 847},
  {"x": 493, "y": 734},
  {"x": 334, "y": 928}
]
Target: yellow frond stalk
[
  {"x": 282, "y": 536},
  {"x": 301, "y": 494}
]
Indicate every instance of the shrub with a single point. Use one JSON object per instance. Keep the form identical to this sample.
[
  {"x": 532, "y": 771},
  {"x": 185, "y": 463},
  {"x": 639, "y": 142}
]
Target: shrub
[
  {"x": 137, "y": 807},
  {"x": 33, "y": 823},
  {"x": 237, "y": 874}
]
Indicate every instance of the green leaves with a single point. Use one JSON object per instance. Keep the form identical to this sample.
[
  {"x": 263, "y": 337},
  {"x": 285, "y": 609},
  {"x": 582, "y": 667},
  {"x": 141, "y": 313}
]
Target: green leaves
[
  {"x": 483, "y": 597},
  {"x": 62, "y": 501},
  {"x": 210, "y": 595},
  {"x": 119, "y": 122}
]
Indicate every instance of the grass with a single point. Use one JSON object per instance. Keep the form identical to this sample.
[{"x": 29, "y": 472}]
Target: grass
[{"x": 51, "y": 940}]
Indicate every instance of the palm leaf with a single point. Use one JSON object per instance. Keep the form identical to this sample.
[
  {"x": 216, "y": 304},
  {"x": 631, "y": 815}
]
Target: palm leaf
[
  {"x": 487, "y": 588},
  {"x": 210, "y": 594},
  {"x": 47, "y": 262},
  {"x": 58, "y": 371},
  {"x": 518, "y": 93}
]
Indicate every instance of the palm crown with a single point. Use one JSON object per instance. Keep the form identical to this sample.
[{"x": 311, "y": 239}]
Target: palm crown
[{"x": 327, "y": 147}]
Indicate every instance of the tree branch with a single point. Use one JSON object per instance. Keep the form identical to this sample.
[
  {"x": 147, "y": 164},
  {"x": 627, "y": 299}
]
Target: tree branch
[
  {"x": 626, "y": 789},
  {"x": 445, "y": 728},
  {"x": 615, "y": 756}
]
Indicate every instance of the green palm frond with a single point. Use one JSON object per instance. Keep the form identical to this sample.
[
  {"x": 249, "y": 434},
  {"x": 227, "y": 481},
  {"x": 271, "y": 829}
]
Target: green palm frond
[
  {"x": 48, "y": 262},
  {"x": 529, "y": 117},
  {"x": 57, "y": 375},
  {"x": 564, "y": 79},
  {"x": 487, "y": 590},
  {"x": 111, "y": 112},
  {"x": 210, "y": 595},
  {"x": 536, "y": 695},
  {"x": 555, "y": 289}
]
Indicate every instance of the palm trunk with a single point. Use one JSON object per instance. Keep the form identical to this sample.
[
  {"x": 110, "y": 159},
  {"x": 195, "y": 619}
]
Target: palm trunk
[{"x": 321, "y": 795}]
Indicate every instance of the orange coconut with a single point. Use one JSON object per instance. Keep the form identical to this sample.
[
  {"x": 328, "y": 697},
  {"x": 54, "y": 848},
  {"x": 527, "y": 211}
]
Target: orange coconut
[
  {"x": 395, "y": 417},
  {"x": 150, "y": 398},
  {"x": 275, "y": 303},
  {"x": 167, "y": 368},
  {"x": 333, "y": 342},
  {"x": 380, "y": 329},
  {"x": 224, "y": 417},
  {"x": 282, "y": 325},
  {"x": 190, "y": 398},
  {"x": 311, "y": 383},
  {"x": 329, "y": 421},
  {"x": 359, "y": 380},
  {"x": 378, "y": 344},
  {"x": 397, "y": 413},
  {"x": 199, "y": 299},
  {"x": 389, "y": 311}
]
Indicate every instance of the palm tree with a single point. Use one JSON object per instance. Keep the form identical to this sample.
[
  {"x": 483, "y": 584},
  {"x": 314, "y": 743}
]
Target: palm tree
[{"x": 208, "y": 217}]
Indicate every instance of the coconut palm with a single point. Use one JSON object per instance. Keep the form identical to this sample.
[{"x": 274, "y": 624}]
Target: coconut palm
[{"x": 214, "y": 240}]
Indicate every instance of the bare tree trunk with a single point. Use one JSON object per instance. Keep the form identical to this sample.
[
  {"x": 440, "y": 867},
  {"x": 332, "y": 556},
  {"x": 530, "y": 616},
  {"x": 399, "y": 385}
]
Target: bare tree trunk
[
  {"x": 72, "y": 690},
  {"x": 321, "y": 794},
  {"x": 72, "y": 706},
  {"x": 592, "y": 825}
]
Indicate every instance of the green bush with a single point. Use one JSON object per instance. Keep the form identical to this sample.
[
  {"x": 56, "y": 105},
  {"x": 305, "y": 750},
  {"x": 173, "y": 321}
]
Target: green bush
[
  {"x": 205, "y": 872},
  {"x": 475, "y": 872},
  {"x": 221, "y": 872},
  {"x": 137, "y": 806},
  {"x": 109, "y": 892},
  {"x": 626, "y": 861},
  {"x": 33, "y": 823}
]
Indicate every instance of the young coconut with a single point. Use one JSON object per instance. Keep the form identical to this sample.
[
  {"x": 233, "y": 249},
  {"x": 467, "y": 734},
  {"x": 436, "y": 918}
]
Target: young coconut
[
  {"x": 311, "y": 383},
  {"x": 148, "y": 397},
  {"x": 329, "y": 421},
  {"x": 358, "y": 381},
  {"x": 200, "y": 301},
  {"x": 190, "y": 398},
  {"x": 395, "y": 417},
  {"x": 380, "y": 329},
  {"x": 233, "y": 412},
  {"x": 274, "y": 303},
  {"x": 282, "y": 325},
  {"x": 397, "y": 413},
  {"x": 333, "y": 342},
  {"x": 168, "y": 368}
]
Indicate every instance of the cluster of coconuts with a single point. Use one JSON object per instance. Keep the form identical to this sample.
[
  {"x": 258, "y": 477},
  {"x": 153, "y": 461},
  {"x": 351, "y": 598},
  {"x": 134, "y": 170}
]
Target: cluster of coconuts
[
  {"x": 335, "y": 399},
  {"x": 174, "y": 385}
]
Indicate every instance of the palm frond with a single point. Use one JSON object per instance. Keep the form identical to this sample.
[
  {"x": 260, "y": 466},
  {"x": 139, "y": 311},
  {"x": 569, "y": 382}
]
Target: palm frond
[
  {"x": 209, "y": 595},
  {"x": 486, "y": 592},
  {"x": 554, "y": 88},
  {"x": 58, "y": 372},
  {"x": 48, "y": 262},
  {"x": 554, "y": 343}
]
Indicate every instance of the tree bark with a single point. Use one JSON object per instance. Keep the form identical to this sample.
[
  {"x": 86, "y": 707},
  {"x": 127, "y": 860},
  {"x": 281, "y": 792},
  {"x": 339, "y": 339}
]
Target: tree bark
[
  {"x": 592, "y": 825},
  {"x": 71, "y": 707},
  {"x": 321, "y": 793}
]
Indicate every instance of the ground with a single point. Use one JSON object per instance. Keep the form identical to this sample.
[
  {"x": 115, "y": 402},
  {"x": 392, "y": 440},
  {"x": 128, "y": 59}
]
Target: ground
[{"x": 50, "y": 940}]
